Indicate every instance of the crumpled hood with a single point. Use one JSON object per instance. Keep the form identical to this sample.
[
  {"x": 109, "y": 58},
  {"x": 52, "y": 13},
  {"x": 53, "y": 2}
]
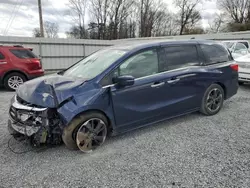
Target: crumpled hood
[{"x": 49, "y": 91}]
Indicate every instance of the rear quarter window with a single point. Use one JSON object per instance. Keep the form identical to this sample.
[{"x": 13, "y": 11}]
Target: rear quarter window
[
  {"x": 23, "y": 53},
  {"x": 215, "y": 53},
  {"x": 1, "y": 56}
]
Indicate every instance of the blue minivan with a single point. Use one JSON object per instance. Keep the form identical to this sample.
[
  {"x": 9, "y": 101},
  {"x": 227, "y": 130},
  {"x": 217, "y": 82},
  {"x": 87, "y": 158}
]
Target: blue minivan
[{"x": 121, "y": 88}]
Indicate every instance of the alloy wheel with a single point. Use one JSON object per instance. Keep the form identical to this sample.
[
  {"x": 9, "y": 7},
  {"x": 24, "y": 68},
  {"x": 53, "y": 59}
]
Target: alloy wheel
[
  {"x": 214, "y": 100},
  {"x": 91, "y": 134},
  {"x": 14, "y": 82}
]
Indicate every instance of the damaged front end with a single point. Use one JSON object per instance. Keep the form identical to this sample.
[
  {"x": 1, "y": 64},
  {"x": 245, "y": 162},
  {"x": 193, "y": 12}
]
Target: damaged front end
[{"x": 41, "y": 125}]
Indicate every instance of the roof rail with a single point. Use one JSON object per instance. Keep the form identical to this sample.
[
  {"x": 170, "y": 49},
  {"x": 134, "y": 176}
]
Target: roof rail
[{"x": 18, "y": 46}]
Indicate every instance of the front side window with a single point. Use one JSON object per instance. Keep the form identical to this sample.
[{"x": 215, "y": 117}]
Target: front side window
[
  {"x": 140, "y": 65},
  {"x": 215, "y": 53},
  {"x": 180, "y": 57},
  {"x": 23, "y": 53},
  {"x": 94, "y": 64}
]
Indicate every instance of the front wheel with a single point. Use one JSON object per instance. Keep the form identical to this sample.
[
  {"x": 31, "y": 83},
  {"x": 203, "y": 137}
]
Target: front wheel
[
  {"x": 212, "y": 101},
  {"x": 86, "y": 132}
]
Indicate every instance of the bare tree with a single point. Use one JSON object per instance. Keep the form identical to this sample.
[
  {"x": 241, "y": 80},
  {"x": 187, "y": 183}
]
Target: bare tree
[
  {"x": 51, "y": 29},
  {"x": 238, "y": 10},
  {"x": 99, "y": 10},
  {"x": 151, "y": 15},
  {"x": 36, "y": 32},
  {"x": 78, "y": 10},
  {"x": 187, "y": 16},
  {"x": 165, "y": 25},
  {"x": 216, "y": 24}
]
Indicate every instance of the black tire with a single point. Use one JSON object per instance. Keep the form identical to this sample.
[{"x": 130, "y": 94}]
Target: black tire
[
  {"x": 241, "y": 83},
  {"x": 7, "y": 78},
  {"x": 204, "y": 104},
  {"x": 69, "y": 133}
]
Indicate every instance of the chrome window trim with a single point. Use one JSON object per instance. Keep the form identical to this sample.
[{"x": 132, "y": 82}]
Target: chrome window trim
[
  {"x": 198, "y": 66},
  {"x": 157, "y": 74}
]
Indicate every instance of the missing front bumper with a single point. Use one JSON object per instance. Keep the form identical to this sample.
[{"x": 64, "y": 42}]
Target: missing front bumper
[{"x": 15, "y": 127}]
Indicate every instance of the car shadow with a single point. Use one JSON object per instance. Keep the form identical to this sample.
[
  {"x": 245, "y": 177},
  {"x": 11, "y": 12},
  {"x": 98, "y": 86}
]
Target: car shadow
[
  {"x": 22, "y": 148},
  {"x": 2, "y": 89}
]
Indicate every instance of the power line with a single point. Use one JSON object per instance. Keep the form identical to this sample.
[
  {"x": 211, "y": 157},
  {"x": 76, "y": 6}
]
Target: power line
[
  {"x": 10, "y": 17},
  {"x": 20, "y": 4}
]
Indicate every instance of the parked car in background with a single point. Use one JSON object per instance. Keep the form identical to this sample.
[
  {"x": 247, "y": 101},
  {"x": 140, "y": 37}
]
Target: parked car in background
[
  {"x": 122, "y": 88},
  {"x": 244, "y": 68},
  {"x": 231, "y": 43},
  {"x": 237, "y": 48},
  {"x": 17, "y": 65}
]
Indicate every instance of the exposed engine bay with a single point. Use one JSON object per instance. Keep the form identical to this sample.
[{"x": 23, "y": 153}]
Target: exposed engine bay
[{"x": 40, "y": 125}]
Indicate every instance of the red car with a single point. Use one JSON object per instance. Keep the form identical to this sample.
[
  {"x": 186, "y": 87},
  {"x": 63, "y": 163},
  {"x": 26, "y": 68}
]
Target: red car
[{"x": 17, "y": 65}]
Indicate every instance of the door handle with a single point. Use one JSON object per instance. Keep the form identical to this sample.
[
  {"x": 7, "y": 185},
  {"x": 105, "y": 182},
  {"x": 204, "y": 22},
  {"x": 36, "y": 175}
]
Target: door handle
[
  {"x": 158, "y": 84},
  {"x": 173, "y": 80}
]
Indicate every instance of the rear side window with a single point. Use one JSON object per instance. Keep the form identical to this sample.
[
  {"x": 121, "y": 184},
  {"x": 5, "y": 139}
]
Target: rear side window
[
  {"x": 23, "y": 54},
  {"x": 245, "y": 43},
  {"x": 1, "y": 56},
  {"x": 215, "y": 53},
  {"x": 179, "y": 57}
]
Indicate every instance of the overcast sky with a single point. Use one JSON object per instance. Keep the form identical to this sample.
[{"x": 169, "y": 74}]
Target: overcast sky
[{"x": 20, "y": 17}]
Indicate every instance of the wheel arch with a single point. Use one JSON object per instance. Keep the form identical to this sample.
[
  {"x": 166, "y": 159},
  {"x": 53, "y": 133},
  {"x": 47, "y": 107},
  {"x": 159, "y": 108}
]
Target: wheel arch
[
  {"x": 110, "y": 124},
  {"x": 13, "y": 71},
  {"x": 223, "y": 87}
]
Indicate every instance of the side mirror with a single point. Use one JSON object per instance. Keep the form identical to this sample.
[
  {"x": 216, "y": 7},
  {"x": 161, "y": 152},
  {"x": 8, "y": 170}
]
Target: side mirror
[{"x": 123, "y": 81}]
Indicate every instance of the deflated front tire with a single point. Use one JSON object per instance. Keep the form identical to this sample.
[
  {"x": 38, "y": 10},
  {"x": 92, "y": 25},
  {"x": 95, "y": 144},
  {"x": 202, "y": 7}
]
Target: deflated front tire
[{"x": 81, "y": 126}]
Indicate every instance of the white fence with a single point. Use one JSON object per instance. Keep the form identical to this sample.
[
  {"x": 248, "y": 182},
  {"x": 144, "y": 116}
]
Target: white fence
[{"x": 57, "y": 54}]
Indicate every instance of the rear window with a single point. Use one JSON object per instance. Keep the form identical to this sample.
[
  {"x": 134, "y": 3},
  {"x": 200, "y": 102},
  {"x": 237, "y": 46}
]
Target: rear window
[
  {"x": 23, "y": 54},
  {"x": 215, "y": 53}
]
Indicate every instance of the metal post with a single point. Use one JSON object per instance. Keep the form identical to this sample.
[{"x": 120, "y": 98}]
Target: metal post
[{"x": 40, "y": 18}]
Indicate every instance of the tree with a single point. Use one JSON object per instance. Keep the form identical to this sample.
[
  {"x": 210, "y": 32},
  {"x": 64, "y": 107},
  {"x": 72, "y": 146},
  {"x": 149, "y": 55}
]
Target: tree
[
  {"x": 238, "y": 10},
  {"x": 78, "y": 9},
  {"x": 216, "y": 24},
  {"x": 76, "y": 32},
  {"x": 99, "y": 10},
  {"x": 118, "y": 14},
  {"x": 51, "y": 29},
  {"x": 187, "y": 15},
  {"x": 36, "y": 32}
]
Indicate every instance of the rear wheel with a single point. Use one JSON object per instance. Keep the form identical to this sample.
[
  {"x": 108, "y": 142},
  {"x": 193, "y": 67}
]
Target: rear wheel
[
  {"x": 13, "y": 80},
  {"x": 86, "y": 132},
  {"x": 212, "y": 100}
]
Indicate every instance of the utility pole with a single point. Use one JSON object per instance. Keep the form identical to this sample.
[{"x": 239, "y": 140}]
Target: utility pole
[{"x": 40, "y": 18}]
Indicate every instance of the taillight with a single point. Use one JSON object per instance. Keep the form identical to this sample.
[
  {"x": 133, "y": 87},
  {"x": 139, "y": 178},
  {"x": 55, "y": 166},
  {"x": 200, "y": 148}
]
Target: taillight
[
  {"x": 35, "y": 64},
  {"x": 235, "y": 67}
]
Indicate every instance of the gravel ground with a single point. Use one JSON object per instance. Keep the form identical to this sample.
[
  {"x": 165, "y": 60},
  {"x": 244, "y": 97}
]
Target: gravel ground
[{"x": 190, "y": 151}]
